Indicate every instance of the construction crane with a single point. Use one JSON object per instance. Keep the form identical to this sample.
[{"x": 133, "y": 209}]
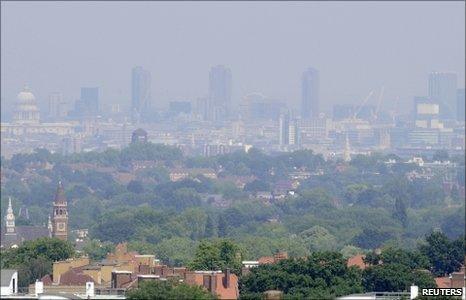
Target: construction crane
[
  {"x": 375, "y": 114},
  {"x": 363, "y": 103}
]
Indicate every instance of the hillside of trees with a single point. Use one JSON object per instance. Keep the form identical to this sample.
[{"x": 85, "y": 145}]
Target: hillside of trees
[{"x": 342, "y": 207}]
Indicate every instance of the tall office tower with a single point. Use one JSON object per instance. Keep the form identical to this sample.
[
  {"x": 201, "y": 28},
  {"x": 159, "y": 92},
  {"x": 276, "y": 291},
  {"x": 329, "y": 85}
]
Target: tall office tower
[
  {"x": 88, "y": 104},
  {"x": 460, "y": 105},
  {"x": 140, "y": 92},
  {"x": 57, "y": 106},
  {"x": 310, "y": 94},
  {"x": 219, "y": 93},
  {"x": 284, "y": 129},
  {"x": 442, "y": 89}
]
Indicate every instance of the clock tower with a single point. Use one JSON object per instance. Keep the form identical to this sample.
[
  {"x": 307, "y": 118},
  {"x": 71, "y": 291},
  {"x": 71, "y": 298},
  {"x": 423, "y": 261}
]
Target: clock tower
[
  {"x": 60, "y": 214},
  {"x": 10, "y": 220}
]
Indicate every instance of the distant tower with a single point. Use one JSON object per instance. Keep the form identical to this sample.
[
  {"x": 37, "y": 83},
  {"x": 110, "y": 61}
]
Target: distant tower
[
  {"x": 140, "y": 92},
  {"x": 10, "y": 220},
  {"x": 219, "y": 93},
  {"x": 60, "y": 214},
  {"x": 346, "y": 152},
  {"x": 310, "y": 94},
  {"x": 443, "y": 90},
  {"x": 284, "y": 129}
]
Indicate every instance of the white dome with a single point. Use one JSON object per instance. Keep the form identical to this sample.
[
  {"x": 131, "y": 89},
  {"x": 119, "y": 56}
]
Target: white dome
[{"x": 26, "y": 96}]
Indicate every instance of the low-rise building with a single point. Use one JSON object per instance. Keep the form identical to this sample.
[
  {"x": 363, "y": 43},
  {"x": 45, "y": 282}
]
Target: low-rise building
[{"x": 9, "y": 282}]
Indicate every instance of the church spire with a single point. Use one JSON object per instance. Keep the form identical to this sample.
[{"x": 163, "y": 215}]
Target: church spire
[
  {"x": 60, "y": 194},
  {"x": 10, "y": 219},
  {"x": 60, "y": 214}
]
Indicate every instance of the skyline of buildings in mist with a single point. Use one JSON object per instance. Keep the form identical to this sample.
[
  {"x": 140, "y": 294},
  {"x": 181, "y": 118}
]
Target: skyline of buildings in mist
[
  {"x": 355, "y": 47},
  {"x": 219, "y": 105}
]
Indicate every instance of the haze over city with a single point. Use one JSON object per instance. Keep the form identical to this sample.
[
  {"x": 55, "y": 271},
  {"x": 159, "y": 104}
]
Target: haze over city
[
  {"x": 232, "y": 150},
  {"x": 357, "y": 47}
]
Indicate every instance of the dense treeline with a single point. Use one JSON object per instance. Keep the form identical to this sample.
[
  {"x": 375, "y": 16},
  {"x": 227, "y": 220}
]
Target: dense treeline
[
  {"x": 343, "y": 207},
  {"x": 33, "y": 259},
  {"x": 325, "y": 275}
]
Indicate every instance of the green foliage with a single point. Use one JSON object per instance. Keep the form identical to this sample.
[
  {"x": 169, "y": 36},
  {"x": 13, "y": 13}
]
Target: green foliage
[
  {"x": 135, "y": 186},
  {"x": 159, "y": 174},
  {"x": 320, "y": 275},
  {"x": 350, "y": 250},
  {"x": 445, "y": 256},
  {"x": 149, "y": 151},
  {"x": 400, "y": 212},
  {"x": 164, "y": 290},
  {"x": 371, "y": 238},
  {"x": 256, "y": 186},
  {"x": 395, "y": 277},
  {"x": 34, "y": 259},
  {"x": 367, "y": 206},
  {"x": 176, "y": 251},
  {"x": 319, "y": 239},
  {"x": 97, "y": 250},
  {"x": 217, "y": 255}
]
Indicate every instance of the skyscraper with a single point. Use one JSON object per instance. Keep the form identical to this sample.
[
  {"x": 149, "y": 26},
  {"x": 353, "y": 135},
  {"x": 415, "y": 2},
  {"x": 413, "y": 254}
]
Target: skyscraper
[
  {"x": 88, "y": 104},
  {"x": 57, "y": 106},
  {"x": 140, "y": 92},
  {"x": 310, "y": 94},
  {"x": 442, "y": 89},
  {"x": 219, "y": 93},
  {"x": 284, "y": 129}
]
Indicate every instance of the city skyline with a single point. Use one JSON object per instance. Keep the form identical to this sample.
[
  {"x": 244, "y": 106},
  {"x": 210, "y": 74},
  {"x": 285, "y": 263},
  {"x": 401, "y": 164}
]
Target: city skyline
[{"x": 312, "y": 38}]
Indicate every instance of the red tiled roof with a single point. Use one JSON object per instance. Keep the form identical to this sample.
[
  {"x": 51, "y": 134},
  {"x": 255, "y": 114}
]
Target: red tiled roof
[
  {"x": 74, "y": 277},
  {"x": 266, "y": 260},
  {"x": 442, "y": 282},
  {"x": 357, "y": 260},
  {"x": 47, "y": 279}
]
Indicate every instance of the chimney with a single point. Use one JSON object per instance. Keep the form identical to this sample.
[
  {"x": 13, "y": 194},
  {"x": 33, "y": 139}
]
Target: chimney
[
  {"x": 213, "y": 283},
  {"x": 226, "y": 279}
]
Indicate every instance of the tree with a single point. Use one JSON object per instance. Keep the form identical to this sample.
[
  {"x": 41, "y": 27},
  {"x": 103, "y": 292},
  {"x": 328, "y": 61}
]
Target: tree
[
  {"x": 209, "y": 227},
  {"x": 412, "y": 259},
  {"x": 34, "y": 259},
  {"x": 161, "y": 290},
  {"x": 319, "y": 239},
  {"x": 35, "y": 269},
  {"x": 194, "y": 220},
  {"x": 222, "y": 226},
  {"x": 445, "y": 256},
  {"x": 256, "y": 186},
  {"x": 371, "y": 238},
  {"x": 176, "y": 251},
  {"x": 321, "y": 275},
  {"x": 217, "y": 255},
  {"x": 400, "y": 212},
  {"x": 135, "y": 186},
  {"x": 206, "y": 257},
  {"x": 113, "y": 227},
  {"x": 394, "y": 278},
  {"x": 97, "y": 250}
]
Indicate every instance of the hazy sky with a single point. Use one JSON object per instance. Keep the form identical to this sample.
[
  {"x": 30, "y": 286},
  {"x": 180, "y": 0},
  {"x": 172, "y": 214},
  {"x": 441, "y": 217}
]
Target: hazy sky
[{"x": 356, "y": 46}]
